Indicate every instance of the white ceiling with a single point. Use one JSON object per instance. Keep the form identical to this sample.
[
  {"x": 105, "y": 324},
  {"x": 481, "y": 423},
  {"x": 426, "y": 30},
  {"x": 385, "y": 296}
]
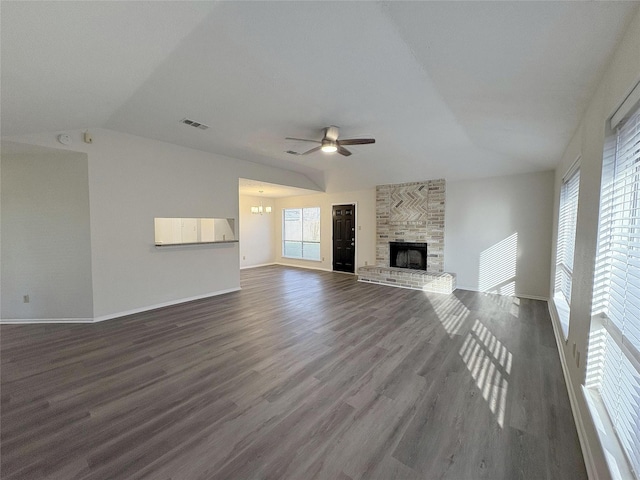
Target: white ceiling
[{"x": 448, "y": 89}]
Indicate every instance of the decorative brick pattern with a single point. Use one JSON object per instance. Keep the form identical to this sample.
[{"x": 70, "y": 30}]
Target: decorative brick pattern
[
  {"x": 411, "y": 212},
  {"x": 409, "y": 203},
  {"x": 415, "y": 279}
]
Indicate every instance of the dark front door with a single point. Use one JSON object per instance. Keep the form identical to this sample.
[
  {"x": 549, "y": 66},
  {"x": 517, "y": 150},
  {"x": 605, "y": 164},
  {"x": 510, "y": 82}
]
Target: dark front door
[{"x": 344, "y": 237}]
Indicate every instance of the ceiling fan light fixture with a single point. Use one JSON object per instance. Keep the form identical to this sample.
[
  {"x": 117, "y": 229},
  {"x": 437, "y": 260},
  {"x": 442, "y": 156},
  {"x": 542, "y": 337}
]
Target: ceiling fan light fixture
[
  {"x": 329, "y": 146},
  {"x": 330, "y": 143}
]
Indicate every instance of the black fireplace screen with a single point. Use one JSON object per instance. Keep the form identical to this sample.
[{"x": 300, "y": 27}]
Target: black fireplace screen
[{"x": 408, "y": 255}]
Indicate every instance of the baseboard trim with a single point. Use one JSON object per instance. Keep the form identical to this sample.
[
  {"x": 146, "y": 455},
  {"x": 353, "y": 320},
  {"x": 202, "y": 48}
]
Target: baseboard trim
[
  {"x": 34, "y": 321},
  {"x": 585, "y": 446},
  {"x": 532, "y": 297},
  {"x": 302, "y": 266},
  {"x": 125, "y": 313},
  {"x": 112, "y": 316},
  {"x": 257, "y": 266}
]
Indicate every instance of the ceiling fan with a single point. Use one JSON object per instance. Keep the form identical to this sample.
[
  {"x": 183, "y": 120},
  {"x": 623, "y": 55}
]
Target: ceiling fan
[{"x": 330, "y": 142}]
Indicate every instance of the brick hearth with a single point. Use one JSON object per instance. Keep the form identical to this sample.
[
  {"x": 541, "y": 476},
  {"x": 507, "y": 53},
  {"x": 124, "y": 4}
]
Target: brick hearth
[{"x": 415, "y": 279}]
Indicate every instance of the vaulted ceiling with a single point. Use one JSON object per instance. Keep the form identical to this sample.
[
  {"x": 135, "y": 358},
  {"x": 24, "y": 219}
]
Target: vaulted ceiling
[{"x": 448, "y": 89}]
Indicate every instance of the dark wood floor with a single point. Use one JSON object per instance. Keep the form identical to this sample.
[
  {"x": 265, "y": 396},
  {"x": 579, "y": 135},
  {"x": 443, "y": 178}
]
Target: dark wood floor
[{"x": 301, "y": 375}]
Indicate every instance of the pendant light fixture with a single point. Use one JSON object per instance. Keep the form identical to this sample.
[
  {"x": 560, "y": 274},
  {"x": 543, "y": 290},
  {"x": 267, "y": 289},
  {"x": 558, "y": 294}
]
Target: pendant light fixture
[{"x": 259, "y": 209}]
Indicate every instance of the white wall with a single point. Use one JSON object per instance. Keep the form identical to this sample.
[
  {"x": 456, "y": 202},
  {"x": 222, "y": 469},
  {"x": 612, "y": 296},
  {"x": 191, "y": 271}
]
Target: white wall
[
  {"x": 498, "y": 233},
  {"x": 365, "y": 201},
  {"x": 621, "y": 75},
  {"x": 479, "y": 215},
  {"x": 46, "y": 244},
  {"x": 131, "y": 181},
  {"x": 257, "y": 232}
]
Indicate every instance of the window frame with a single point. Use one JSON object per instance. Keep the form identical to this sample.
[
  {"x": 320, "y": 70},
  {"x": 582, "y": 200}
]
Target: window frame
[
  {"x": 613, "y": 364},
  {"x": 302, "y": 240},
  {"x": 565, "y": 244}
]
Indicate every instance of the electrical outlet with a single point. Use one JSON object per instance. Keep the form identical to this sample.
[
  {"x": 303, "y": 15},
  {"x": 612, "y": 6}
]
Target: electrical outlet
[{"x": 25, "y": 298}]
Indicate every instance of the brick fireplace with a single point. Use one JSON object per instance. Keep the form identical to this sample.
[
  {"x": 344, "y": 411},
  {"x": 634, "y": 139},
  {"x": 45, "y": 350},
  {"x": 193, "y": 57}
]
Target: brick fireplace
[{"x": 410, "y": 213}]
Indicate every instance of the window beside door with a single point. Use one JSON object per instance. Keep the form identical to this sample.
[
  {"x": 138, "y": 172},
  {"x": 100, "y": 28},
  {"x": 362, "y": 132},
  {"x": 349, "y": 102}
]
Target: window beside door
[{"x": 301, "y": 233}]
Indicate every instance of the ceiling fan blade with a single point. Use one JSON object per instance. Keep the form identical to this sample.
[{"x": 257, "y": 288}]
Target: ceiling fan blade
[
  {"x": 314, "y": 149},
  {"x": 343, "y": 151},
  {"x": 356, "y": 141},
  {"x": 303, "y": 140}
]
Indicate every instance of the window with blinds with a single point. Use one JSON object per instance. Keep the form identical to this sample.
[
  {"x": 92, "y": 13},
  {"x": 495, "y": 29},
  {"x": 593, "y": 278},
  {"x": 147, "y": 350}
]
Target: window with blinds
[
  {"x": 617, "y": 288},
  {"x": 566, "y": 242}
]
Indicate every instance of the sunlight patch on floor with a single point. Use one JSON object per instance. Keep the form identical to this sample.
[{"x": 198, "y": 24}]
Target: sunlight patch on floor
[
  {"x": 489, "y": 363},
  {"x": 451, "y": 313}
]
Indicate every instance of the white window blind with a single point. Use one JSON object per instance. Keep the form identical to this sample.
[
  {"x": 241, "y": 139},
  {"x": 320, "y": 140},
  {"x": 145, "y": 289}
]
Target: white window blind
[
  {"x": 617, "y": 288},
  {"x": 567, "y": 218}
]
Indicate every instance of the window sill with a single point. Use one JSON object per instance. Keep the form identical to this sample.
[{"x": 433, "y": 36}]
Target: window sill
[{"x": 616, "y": 460}]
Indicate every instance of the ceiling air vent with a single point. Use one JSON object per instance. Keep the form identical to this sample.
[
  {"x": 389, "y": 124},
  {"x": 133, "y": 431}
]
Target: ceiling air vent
[{"x": 193, "y": 123}]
